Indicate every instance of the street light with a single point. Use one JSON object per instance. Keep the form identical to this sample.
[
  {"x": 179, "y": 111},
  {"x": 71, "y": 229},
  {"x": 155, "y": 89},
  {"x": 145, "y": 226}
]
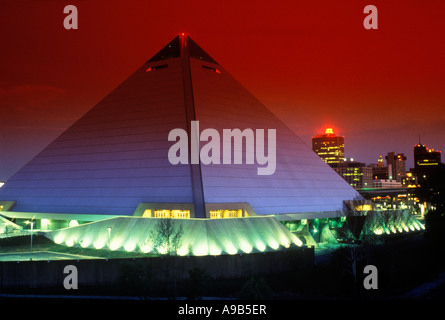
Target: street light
[
  {"x": 109, "y": 241},
  {"x": 32, "y": 227}
]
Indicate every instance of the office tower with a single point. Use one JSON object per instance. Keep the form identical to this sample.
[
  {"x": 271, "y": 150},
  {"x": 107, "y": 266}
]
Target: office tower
[
  {"x": 426, "y": 161},
  {"x": 329, "y": 147},
  {"x": 396, "y": 164},
  {"x": 357, "y": 174}
]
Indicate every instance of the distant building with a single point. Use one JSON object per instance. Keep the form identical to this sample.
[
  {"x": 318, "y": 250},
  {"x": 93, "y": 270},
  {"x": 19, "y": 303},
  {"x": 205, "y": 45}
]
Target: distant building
[
  {"x": 357, "y": 174},
  {"x": 410, "y": 180},
  {"x": 396, "y": 164},
  {"x": 386, "y": 183},
  {"x": 426, "y": 161},
  {"x": 329, "y": 147},
  {"x": 379, "y": 170}
]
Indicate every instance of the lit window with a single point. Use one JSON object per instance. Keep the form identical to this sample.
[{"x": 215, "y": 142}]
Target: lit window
[
  {"x": 177, "y": 214},
  {"x": 211, "y": 69},
  {"x": 147, "y": 214},
  {"x": 162, "y": 66},
  {"x": 218, "y": 214}
]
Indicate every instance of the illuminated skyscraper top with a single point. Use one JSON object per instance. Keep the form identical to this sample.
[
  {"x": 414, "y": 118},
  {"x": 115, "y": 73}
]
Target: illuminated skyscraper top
[{"x": 329, "y": 146}]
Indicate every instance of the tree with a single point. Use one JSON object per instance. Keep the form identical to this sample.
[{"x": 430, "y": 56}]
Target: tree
[
  {"x": 349, "y": 256},
  {"x": 166, "y": 238}
]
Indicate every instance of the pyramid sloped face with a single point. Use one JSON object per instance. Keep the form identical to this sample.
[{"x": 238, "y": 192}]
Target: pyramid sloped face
[
  {"x": 302, "y": 182},
  {"x": 116, "y": 156}
]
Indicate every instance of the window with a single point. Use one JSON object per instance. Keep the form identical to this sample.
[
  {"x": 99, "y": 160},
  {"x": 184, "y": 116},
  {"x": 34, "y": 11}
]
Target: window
[
  {"x": 177, "y": 214},
  {"x": 211, "y": 69},
  {"x": 147, "y": 214},
  {"x": 219, "y": 214},
  {"x": 162, "y": 66}
]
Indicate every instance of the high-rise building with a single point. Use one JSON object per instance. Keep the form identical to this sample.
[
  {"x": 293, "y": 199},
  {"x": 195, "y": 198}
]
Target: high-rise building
[
  {"x": 426, "y": 161},
  {"x": 396, "y": 164},
  {"x": 379, "y": 170},
  {"x": 329, "y": 147},
  {"x": 357, "y": 174}
]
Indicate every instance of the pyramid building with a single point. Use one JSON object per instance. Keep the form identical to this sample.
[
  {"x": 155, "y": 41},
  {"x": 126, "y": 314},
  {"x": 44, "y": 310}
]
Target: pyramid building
[{"x": 114, "y": 160}]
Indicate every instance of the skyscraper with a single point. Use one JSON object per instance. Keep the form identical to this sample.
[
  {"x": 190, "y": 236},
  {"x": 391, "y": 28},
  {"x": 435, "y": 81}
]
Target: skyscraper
[
  {"x": 426, "y": 161},
  {"x": 357, "y": 174},
  {"x": 329, "y": 147},
  {"x": 396, "y": 164}
]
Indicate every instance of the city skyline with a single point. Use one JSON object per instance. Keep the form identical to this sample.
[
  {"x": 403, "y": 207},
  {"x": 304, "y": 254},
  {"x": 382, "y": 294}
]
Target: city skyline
[{"x": 313, "y": 65}]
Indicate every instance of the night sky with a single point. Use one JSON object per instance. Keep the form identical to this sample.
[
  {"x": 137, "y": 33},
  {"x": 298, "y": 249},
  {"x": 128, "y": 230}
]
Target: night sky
[{"x": 310, "y": 62}]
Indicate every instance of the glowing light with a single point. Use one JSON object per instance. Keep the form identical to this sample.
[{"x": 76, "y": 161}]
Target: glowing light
[
  {"x": 45, "y": 223},
  {"x": 69, "y": 242},
  {"x": 297, "y": 241},
  {"x": 100, "y": 243},
  {"x": 162, "y": 249},
  {"x": 365, "y": 207},
  {"x": 200, "y": 250},
  {"x": 182, "y": 251},
  {"x": 378, "y": 231},
  {"x": 130, "y": 246},
  {"x": 284, "y": 241},
  {"x": 273, "y": 244},
  {"x": 58, "y": 239},
  {"x": 329, "y": 131},
  {"x": 214, "y": 249},
  {"x": 146, "y": 248},
  {"x": 86, "y": 241},
  {"x": 2, "y": 183},
  {"x": 245, "y": 246},
  {"x": 73, "y": 223},
  {"x": 115, "y": 244},
  {"x": 260, "y": 246},
  {"x": 229, "y": 248}
]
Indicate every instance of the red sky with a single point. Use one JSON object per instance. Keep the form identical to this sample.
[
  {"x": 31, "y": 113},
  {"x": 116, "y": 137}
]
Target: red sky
[{"x": 310, "y": 62}]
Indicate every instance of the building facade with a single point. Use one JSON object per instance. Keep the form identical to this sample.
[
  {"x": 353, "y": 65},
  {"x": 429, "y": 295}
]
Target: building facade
[
  {"x": 357, "y": 174},
  {"x": 329, "y": 147},
  {"x": 396, "y": 164},
  {"x": 426, "y": 161}
]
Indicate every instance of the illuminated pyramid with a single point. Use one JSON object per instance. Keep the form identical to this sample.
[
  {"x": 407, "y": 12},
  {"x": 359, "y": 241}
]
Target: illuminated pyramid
[{"x": 114, "y": 161}]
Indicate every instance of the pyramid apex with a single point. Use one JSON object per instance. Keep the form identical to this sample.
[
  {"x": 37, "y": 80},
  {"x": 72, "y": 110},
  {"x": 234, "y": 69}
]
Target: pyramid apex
[{"x": 174, "y": 50}]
